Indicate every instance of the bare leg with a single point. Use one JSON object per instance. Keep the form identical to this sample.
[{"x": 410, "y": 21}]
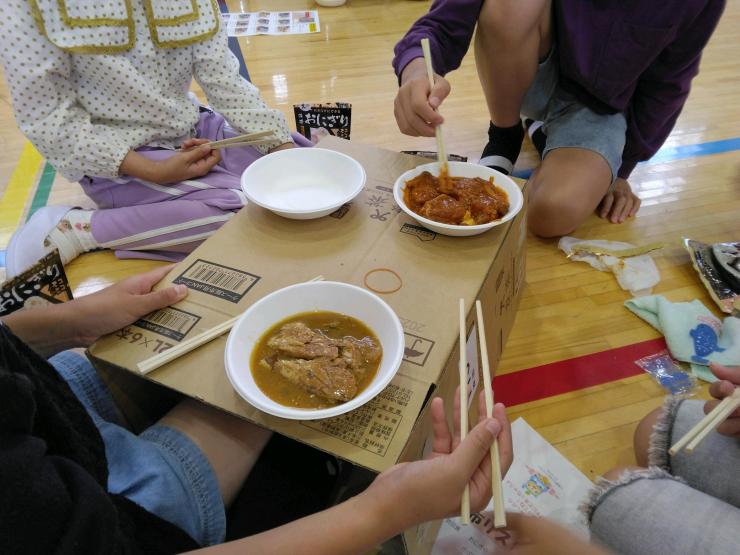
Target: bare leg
[
  {"x": 642, "y": 443},
  {"x": 512, "y": 36},
  {"x": 565, "y": 190},
  {"x": 642, "y": 436},
  {"x": 230, "y": 444}
]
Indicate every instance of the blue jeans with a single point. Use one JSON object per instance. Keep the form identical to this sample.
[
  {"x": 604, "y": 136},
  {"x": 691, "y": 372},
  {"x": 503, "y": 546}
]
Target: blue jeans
[
  {"x": 161, "y": 469},
  {"x": 683, "y": 503}
]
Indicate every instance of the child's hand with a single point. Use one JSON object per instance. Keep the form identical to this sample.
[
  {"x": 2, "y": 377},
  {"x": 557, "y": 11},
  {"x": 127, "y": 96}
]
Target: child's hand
[
  {"x": 415, "y": 105},
  {"x": 116, "y": 306},
  {"x": 195, "y": 159},
  {"x": 729, "y": 379},
  {"x": 620, "y": 203},
  {"x": 420, "y": 491}
]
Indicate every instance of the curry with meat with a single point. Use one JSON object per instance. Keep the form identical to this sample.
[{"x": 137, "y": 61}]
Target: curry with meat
[
  {"x": 455, "y": 200},
  {"x": 315, "y": 360}
]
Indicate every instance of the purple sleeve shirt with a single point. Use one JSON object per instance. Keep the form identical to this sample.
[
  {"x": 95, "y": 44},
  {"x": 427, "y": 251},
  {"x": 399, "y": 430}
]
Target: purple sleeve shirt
[{"x": 625, "y": 56}]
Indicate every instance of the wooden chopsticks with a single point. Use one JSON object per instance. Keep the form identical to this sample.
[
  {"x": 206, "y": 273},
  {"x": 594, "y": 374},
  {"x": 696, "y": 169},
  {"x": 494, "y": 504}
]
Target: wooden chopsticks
[
  {"x": 152, "y": 363},
  {"x": 241, "y": 138},
  {"x": 248, "y": 139},
  {"x": 441, "y": 154},
  {"x": 463, "y": 367},
  {"x": 499, "y": 512},
  {"x": 709, "y": 423},
  {"x": 245, "y": 143}
]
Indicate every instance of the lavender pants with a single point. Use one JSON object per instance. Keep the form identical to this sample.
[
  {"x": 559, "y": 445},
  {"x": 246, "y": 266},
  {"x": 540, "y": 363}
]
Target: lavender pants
[{"x": 141, "y": 219}]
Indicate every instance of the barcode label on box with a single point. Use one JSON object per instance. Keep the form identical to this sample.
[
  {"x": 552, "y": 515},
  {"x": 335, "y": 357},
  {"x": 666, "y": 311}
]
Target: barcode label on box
[
  {"x": 170, "y": 322},
  {"x": 372, "y": 426},
  {"x": 220, "y": 281}
]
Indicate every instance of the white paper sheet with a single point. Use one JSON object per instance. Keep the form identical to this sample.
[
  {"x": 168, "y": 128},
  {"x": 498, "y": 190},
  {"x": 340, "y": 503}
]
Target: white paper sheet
[
  {"x": 540, "y": 482},
  {"x": 271, "y": 23}
]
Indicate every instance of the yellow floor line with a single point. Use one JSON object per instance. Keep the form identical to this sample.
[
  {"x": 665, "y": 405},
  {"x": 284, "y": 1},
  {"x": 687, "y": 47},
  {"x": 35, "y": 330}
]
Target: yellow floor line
[{"x": 17, "y": 193}]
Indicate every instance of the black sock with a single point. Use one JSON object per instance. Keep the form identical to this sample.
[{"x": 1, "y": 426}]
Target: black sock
[
  {"x": 502, "y": 150},
  {"x": 536, "y": 134}
]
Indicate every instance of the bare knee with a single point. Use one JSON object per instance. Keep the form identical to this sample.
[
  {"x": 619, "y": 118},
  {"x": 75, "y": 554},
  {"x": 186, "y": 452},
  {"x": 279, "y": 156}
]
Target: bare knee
[
  {"x": 643, "y": 432},
  {"x": 565, "y": 190},
  {"x": 553, "y": 215}
]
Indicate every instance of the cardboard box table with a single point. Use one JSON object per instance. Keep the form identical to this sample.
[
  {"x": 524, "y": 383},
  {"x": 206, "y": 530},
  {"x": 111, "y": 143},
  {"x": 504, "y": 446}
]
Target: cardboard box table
[{"x": 369, "y": 243}]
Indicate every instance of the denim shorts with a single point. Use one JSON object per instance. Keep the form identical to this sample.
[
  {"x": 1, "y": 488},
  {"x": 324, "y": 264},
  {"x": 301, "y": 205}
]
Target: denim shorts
[
  {"x": 687, "y": 503},
  {"x": 161, "y": 469},
  {"x": 570, "y": 124}
]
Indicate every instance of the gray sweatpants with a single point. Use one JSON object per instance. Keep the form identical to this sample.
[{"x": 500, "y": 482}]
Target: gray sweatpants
[{"x": 683, "y": 504}]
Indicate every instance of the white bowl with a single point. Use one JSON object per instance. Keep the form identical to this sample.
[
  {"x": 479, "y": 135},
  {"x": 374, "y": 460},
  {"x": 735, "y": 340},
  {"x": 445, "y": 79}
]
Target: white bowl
[
  {"x": 306, "y": 297},
  {"x": 461, "y": 169},
  {"x": 303, "y": 183}
]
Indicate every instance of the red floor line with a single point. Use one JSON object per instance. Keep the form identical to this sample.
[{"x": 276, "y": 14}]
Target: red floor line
[{"x": 573, "y": 374}]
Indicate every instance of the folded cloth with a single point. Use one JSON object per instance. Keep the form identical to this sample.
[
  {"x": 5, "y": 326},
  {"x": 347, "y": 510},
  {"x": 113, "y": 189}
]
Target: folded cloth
[
  {"x": 692, "y": 332},
  {"x": 703, "y": 373},
  {"x": 636, "y": 274}
]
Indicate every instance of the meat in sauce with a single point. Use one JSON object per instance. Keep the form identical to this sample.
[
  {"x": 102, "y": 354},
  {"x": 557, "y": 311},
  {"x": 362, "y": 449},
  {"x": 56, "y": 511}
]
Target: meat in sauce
[
  {"x": 316, "y": 360},
  {"x": 456, "y": 200}
]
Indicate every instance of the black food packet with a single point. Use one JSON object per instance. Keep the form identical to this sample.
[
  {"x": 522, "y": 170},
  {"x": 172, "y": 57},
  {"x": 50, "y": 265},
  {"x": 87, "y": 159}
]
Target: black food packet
[
  {"x": 42, "y": 284},
  {"x": 315, "y": 121},
  {"x": 712, "y": 276}
]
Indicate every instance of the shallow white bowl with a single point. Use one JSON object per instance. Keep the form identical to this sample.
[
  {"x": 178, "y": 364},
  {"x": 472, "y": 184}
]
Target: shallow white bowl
[
  {"x": 461, "y": 169},
  {"x": 303, "y": 183},
  {"x": 306, "y": 297}
]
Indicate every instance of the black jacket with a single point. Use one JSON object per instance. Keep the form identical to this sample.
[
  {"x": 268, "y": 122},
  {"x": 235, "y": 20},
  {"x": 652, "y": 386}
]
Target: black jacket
[{"x": 53, "y": 471}]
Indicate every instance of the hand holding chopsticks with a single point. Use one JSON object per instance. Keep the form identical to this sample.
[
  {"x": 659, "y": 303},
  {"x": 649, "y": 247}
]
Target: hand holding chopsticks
[
  {"x": 496, "y": 474},
  {"x": 710, "y": 422}
]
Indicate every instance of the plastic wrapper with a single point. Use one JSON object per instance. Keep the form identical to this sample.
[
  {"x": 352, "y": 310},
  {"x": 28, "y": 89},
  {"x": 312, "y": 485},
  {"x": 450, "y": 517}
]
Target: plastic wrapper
[
  {"x": 315, "y": 121},
  {"x": 669, "y": 373},
  {"x": 716, "y": 276}
]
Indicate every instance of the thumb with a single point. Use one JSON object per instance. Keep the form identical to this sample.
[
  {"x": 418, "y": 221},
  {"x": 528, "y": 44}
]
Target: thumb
[
  {"x": 159, "y": 299},
  {"x": 473, "y": 449},
  {"x": 439, "y": 92},
  {"x": 729, "y": 373}
]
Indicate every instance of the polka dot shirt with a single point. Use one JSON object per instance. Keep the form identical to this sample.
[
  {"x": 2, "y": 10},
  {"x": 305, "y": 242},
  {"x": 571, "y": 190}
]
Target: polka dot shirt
[{"x": 85, "y": 112}]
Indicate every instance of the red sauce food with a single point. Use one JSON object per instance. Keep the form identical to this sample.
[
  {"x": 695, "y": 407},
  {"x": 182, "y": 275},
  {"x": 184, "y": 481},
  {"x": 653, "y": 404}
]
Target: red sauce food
[{"x": 456, "y": 200}]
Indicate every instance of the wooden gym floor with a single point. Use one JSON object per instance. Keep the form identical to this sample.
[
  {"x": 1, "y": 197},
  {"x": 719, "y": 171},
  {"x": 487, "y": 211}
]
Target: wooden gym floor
[{"x": 567, "y": 309}]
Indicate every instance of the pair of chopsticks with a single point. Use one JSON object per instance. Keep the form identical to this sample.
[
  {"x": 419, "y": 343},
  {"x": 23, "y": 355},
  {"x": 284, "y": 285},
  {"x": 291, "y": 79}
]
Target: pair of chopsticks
[
  {"x": 708, "y": 424},
  {"x": 441, "y": 154},
  {"x": 499, "y": 512},
  {"x": 152, "y": 363},
  {"x": 248, "y": 139}
]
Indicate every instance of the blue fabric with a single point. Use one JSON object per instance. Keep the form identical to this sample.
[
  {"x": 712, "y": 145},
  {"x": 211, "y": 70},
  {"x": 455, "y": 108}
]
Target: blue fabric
[
  {"x": 692, "y": 332},
  {"x": 162, "y": 469}
]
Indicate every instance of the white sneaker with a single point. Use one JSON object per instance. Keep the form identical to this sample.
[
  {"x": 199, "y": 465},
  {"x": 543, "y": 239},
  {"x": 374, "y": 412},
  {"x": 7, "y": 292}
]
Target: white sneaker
[{"x": 26, "y": 246}]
